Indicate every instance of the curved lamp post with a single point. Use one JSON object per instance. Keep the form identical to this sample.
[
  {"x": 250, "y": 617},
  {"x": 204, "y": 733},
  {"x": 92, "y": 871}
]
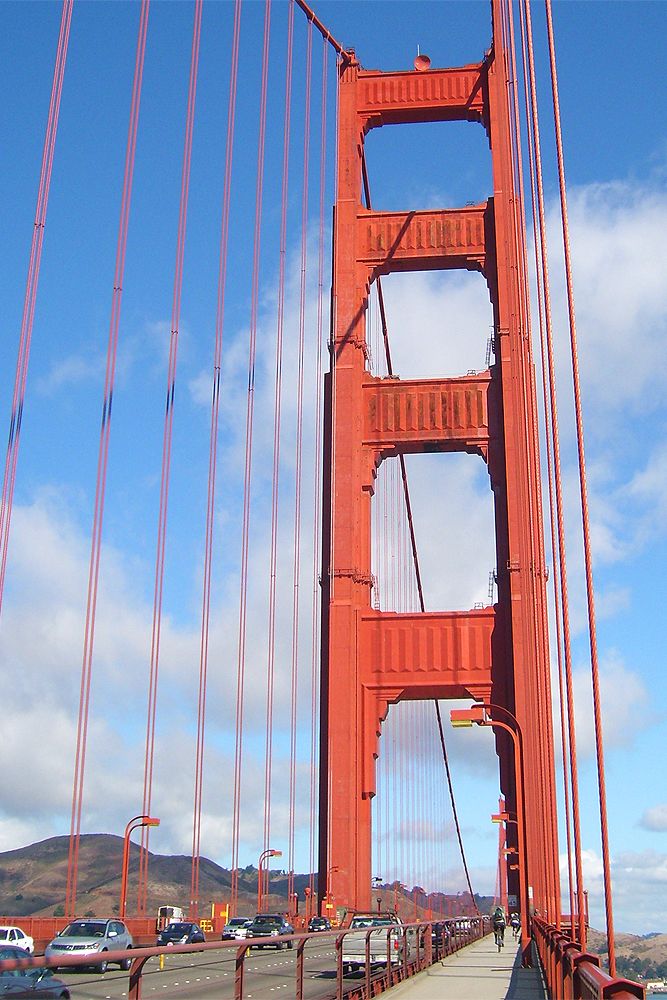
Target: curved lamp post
[
  {"x": 479, "y": 715},
  {"x": 134, "y": 824},
  {"x": 328, "y": 905},
  {"x": 270, "y": 853}
]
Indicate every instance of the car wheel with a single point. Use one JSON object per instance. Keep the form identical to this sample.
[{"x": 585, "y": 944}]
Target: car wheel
[
  {"x": 126, "y": 964},
  {"x": 102, "y": 967},
  {"x": 279, "y": 946},
  {"x": 290, "y": 944}
]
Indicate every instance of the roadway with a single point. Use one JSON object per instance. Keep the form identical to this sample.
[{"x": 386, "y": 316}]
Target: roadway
[{"x": 210, "y": 976}]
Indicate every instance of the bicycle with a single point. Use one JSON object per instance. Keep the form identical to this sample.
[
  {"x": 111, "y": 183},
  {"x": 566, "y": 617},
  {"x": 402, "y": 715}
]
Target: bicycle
[{"x": 499, "y": 935}]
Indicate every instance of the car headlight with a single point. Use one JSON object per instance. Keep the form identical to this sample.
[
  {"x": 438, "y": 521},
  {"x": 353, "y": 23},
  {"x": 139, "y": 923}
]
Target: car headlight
[{"x": 275, "y": 933}]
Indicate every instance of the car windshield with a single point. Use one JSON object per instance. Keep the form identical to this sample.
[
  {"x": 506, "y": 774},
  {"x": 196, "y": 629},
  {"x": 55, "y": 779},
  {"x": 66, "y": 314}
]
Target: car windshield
[
  {"x": 4, "y": 933},
  {"x": 238, "y": 922},
  {"x": 179, "y": 928},
  {"x": 268, "y": 919},
  {"x": 371, "y": 922},
  {"x": 84, "y": 929}
]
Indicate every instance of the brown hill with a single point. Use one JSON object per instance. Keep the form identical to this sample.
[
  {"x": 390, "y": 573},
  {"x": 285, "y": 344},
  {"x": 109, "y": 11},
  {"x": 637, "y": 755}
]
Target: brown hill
[
  {"x": 636, "y": 955},
  {"x": 33, "y": 880}
]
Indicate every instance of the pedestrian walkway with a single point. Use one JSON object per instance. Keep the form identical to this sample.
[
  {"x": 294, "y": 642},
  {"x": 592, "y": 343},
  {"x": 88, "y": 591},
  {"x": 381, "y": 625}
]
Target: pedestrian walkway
[{"x": 478, "y": 972}]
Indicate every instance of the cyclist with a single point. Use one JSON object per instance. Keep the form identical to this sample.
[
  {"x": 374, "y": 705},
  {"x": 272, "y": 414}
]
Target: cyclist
[
  {"x": 498, "y": 921},
  {"x": 515, "y": 924}
]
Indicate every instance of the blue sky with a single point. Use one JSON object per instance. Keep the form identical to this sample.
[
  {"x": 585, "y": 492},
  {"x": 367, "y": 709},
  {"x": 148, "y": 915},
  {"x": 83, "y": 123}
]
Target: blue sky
[{"x": 612, "y": 85}]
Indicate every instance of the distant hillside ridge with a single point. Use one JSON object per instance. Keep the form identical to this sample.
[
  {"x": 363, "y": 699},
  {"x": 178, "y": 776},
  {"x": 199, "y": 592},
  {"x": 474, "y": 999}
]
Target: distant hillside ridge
[
  {"x": 636, "y": 955},
  {"x": 33, "y": 880}
]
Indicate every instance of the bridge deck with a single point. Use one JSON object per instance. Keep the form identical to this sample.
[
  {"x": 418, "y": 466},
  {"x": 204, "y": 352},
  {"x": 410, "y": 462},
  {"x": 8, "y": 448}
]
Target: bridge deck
[{"x": 477, "y": 972}]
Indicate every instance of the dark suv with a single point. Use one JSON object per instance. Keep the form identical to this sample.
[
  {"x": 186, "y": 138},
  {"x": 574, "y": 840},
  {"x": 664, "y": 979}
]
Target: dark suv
[
  {"x": 319, "y": 924},
  {"x": 270, "y": 925},
  {"x": 181, "y": 933}
]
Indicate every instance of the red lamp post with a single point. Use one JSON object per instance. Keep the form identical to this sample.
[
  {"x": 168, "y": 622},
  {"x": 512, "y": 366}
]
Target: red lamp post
[
  {"x": 270, "y": 853},
  {"x": 479, "y": 715},
  {"x": 134, "y": 824}
]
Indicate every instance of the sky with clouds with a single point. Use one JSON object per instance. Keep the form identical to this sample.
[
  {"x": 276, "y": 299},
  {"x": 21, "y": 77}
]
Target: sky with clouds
[{"x": 611, "y": 78}]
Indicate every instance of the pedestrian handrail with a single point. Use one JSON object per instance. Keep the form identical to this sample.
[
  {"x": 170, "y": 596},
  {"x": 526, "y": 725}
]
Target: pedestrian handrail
[
  {"x": 450, "y": 936},
  {"x": 572, "y": 974}
]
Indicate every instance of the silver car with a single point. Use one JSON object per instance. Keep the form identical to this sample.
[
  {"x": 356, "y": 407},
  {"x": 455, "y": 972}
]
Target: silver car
[
  {"x": 88, "y": 938},
  {"x": 236, "y": 929}
]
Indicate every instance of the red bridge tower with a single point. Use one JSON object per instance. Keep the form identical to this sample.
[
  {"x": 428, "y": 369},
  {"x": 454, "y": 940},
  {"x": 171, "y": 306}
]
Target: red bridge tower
[{"x": 371, "y": 659}]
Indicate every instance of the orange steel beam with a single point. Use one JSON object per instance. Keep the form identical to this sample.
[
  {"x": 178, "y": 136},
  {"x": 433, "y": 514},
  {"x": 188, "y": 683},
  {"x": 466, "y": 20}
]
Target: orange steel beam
[
  {"x": 437, "y": 96},
  {"x": 418, "y": 415},
  {"x": 420, "y": 241},
  {"x": 372, "y": 659}
]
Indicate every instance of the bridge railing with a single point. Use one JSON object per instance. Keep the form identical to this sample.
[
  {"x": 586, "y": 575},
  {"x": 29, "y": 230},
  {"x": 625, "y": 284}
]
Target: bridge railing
[
  {"x": 432, "y": 941},
  {"x": 572, "y": 974}
]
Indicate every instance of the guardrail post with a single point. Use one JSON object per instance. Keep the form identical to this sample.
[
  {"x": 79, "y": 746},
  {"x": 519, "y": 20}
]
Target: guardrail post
[
  {"x": 339, "y": 967},
  {"x": 428, "y": 945},
  {"x": 299, "y": 967},
  {"x": 405, "y": 953},
  {"x": 134, "y": 989},
  {"x": 239, "y": 970},
  {"x": 390, "y": 969},
  {"x": 367, "y": 952}
]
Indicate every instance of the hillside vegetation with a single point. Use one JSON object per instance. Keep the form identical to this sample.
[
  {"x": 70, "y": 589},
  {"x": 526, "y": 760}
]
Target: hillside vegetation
[{"x": 33, "y": 880}]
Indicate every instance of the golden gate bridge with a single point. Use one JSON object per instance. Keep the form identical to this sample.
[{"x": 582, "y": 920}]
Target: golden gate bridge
[{"x": 355, "y": 666}]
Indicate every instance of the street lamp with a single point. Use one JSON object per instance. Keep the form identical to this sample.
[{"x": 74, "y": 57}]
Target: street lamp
[
  {"x": 328, "y": 905},
  {"x": 134, "y": 824},
  {"x": 270, "y": 853},
  {"x": 479, "y": 715},
  {"x": 376, "y": 882}
]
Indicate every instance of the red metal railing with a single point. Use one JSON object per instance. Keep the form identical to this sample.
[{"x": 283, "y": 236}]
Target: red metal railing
[
  {"x": 572, "y": 974},
  {"x": 431, "y": 942}
]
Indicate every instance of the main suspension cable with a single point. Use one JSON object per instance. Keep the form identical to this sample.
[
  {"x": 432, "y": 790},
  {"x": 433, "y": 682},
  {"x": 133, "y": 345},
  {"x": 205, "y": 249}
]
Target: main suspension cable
[
  {"x": 536, "y": 164},
  {"x": 585, "y": 519}
]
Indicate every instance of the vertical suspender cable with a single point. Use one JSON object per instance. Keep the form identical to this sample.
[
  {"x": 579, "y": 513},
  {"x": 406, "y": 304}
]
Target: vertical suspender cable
[
  {"x": 599, "y": 743},
  {"x": 545, "y": 724},
  {"x": 166, "y": 455},
  {"x": 296, "y": 568},
  {"x": 252, "y": 348},
  {"x": 581, "y": 915},
  {"x": 317, "y": 485},
  {"x": 275, "y": 478},
  {"x": 212, "y": 464},
  {"x": 32, "y": 282},
  {"x": 102, "y": 461},
  {"x": 552, "y": 502}
]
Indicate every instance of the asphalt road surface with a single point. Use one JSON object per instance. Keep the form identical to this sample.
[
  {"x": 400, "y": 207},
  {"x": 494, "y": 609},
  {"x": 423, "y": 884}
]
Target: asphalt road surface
[{"x": 268, "y": 974}]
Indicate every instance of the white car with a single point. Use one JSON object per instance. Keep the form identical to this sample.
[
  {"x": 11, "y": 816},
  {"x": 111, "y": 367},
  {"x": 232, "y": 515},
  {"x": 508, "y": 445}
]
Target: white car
[{"x": 16, "y": 937}]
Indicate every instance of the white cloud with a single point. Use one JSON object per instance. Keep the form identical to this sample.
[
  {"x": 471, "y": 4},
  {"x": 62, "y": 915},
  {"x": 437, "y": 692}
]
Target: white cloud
[
  {"x": 70, "y": 371},
  {"x": 655, "y": 818},
  {"x": 638, "y": 879},
  {"x": 623, "y": 694},
  {"x": 619, "y": 294}
]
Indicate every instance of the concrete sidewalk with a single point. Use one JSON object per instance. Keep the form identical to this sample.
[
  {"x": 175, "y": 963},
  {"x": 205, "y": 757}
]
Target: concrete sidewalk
[{"x": 477, "y": 972}]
